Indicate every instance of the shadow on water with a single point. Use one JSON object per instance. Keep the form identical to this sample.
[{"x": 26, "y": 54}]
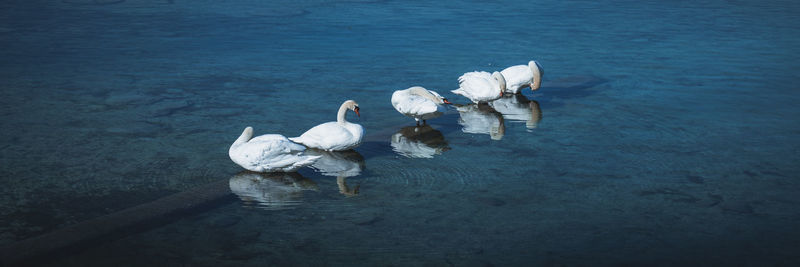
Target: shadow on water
[
  {"x": 566, "y": 88},
  {"x": 46, "y": 248}
]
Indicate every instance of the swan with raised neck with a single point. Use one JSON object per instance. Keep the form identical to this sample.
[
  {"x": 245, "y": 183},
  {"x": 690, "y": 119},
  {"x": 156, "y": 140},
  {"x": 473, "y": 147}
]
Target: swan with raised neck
[
  {"x": 347, "y": 105},
  {"x": 336, "y": 135}
]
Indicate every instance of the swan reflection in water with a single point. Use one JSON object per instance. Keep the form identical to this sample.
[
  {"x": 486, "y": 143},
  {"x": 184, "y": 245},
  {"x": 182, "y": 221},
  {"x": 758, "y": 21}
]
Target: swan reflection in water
[
  {"x": 517, "y": 107},
  {"x": 481, "y": 119},
  {"x": 341, "y": 164},
  {"x": 419, "y": 142},
  {"x": 272, "y": 191}
]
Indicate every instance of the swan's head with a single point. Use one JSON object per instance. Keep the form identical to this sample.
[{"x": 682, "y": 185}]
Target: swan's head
[
  {"x": 440, "y": 99},
  {"x": 538, "y": 72},
  {"x": 500, "y": 80},
  {"x": 352, "y": 105}
]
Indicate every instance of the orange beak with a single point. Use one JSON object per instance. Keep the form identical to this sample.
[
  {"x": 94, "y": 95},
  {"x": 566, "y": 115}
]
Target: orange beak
[
  {"x": 446, "y": 102},
  {"x": 356, "y": 110}
]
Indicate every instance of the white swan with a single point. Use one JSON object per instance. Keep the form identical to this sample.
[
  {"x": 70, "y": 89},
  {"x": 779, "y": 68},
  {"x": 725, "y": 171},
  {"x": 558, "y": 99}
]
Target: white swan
[
  {"x": 481, "y": 119},
  {"x": 334, "y": 136},
  {"x": 419, "y": 142},
  {"x": 521, "y": 76},
  {"x": 480, "y": 86},
  {"x": 269, "y": 152},
  {"x": 419, "y": 103},
  {"x": 517, "y": 107}
]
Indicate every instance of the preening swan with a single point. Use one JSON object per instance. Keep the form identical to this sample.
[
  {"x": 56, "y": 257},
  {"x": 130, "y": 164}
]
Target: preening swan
[
  {"x": 419, "y": 103},
  {"x": 480, "y": 86},
  {"x": 336, "y": 135},
  {"x": 269, "y": 152},
  {"x": 521, "y": 76}
]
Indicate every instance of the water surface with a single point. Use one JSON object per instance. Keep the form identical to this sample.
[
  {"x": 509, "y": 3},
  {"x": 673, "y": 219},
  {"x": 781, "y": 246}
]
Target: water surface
[{"x": 664, "y": 132}]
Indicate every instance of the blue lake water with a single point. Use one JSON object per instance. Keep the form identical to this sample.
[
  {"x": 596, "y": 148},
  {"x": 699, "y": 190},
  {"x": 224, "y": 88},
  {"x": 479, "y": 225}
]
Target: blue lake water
[{"x": 665, "y": 132}]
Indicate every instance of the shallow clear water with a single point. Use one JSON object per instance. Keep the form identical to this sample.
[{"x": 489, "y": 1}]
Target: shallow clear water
[{"x": 664, "y": 132}]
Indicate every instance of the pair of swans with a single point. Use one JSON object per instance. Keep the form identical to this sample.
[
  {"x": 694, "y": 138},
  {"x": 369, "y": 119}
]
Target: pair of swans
[
  {"x": 275, "y": 152},
  {"x": 481, "y": 86}
]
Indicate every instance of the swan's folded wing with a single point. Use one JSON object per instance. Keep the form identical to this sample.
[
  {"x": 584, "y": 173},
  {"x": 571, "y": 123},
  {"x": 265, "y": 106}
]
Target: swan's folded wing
[
  {"x": 477, "y": 85},
  {"x": 517, "y": 76},
  {"x": 323, "y": 135},
  {"x": 416, "y": 105}
]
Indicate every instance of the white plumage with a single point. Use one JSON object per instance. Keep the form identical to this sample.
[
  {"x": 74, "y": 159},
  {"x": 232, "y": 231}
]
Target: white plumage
[
  {"x": 521, "y": 76},
  {"x": 419, "y": 103},
  {"x": 480, "y": 86},
  {"x": 267, "y": 153},
  {"x": 336, "y": 135}
]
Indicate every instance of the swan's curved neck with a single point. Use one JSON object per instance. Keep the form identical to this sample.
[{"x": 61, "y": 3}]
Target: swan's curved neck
[
  {"x": 537, "y": 75},
  {"x": 501, "y": 81},
  {"x": 424, "y": 93},
  {"x": 340, "y": 117},
  {"x": 247, "y": 134}
]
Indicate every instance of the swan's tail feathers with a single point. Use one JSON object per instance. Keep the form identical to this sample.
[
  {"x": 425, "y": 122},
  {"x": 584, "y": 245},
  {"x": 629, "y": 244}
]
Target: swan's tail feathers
[{"x": 247, "y": 134}]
